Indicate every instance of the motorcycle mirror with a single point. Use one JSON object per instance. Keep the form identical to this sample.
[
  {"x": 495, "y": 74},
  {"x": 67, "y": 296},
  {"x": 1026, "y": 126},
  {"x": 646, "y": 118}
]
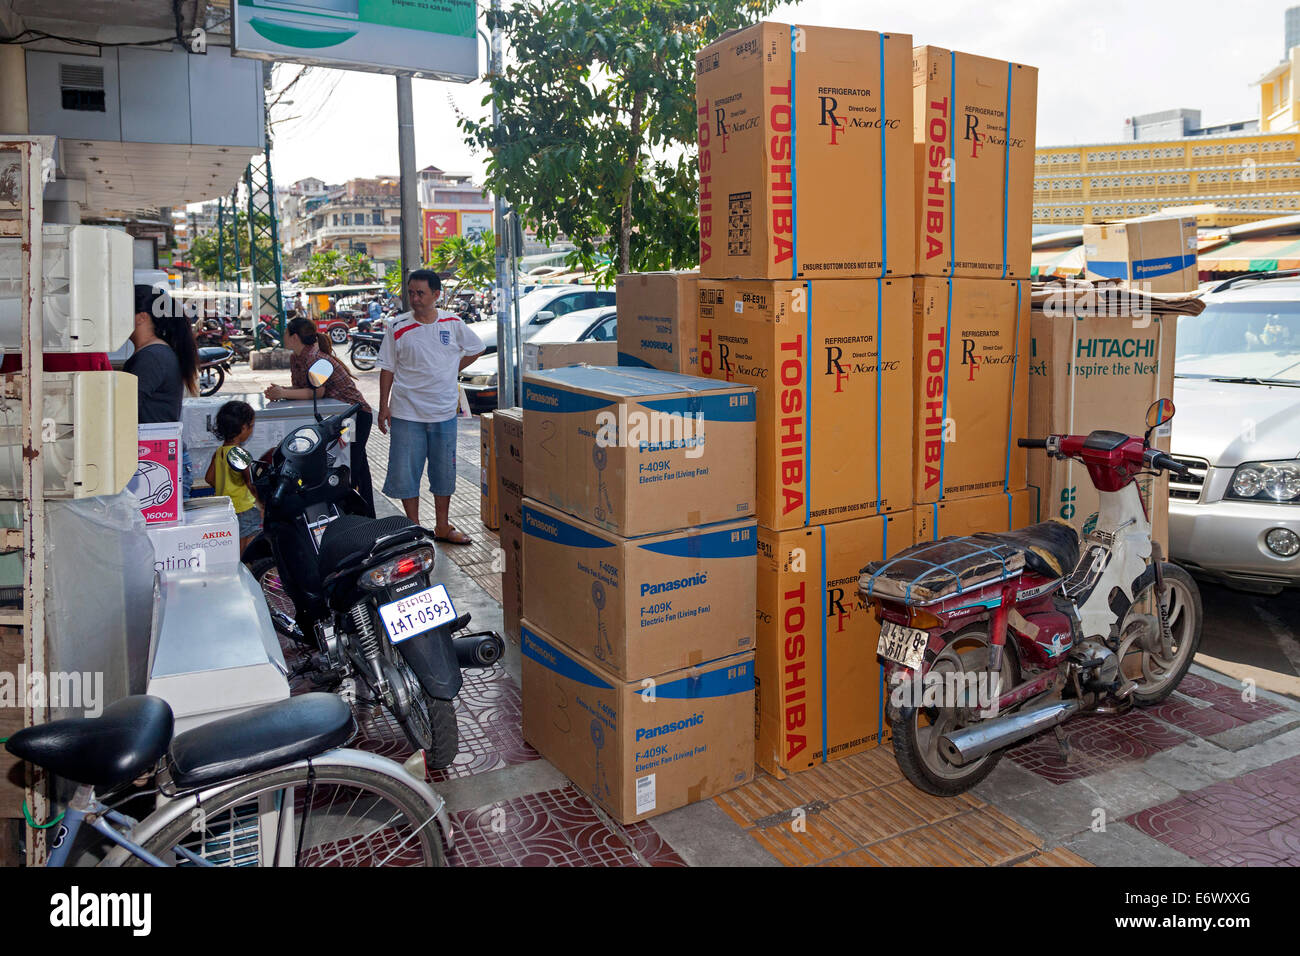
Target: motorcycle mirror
[
  {"x": 239, "y": 459},
  {"x": 1161, "y": 411},
  {"x": 320, "y": 372}
]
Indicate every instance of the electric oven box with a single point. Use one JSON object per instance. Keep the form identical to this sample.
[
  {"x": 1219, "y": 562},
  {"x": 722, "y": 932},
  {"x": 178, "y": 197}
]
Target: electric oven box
[{"x": 206, "y": 539}]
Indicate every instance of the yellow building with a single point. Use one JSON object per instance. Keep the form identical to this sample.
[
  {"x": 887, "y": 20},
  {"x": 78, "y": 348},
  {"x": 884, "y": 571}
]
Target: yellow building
[
  {"x": 1279, "y": 105},
  {"x": 1255, "y": 175}
]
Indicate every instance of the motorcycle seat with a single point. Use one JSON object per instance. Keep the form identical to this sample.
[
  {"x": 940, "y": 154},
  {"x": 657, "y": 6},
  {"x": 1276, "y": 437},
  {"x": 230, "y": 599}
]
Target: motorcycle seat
[
  {"x": 352, "y": 537},
  {"x": 121, "y": 744},
  {"x": 1051, "y": 548},
  {"x": 259, "y": 739},
  {"x": 212, "y": 353}
]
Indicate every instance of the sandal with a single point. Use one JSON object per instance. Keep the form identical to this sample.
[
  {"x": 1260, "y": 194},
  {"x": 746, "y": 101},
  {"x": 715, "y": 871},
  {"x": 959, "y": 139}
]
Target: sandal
[{"x": 454, "y": 537}]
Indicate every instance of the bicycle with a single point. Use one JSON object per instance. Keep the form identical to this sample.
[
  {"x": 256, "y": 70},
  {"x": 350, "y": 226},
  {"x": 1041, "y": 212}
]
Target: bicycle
[{"x": 271, "y": 786}]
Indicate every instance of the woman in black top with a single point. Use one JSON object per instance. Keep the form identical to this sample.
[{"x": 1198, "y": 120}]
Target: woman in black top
[
  {"x": 165, "y": 359},
  {"x": 166, "y": 362}
]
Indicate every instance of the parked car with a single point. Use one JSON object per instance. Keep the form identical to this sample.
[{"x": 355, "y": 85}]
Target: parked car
[
  {"x": 479, "y": 378},
  {"x": 542, "y": 305},
  {"x": 1237, "y": 391}
]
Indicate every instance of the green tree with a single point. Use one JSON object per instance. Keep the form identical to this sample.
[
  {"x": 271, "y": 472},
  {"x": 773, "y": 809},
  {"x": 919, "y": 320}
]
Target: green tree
[
  {"x": 358, "y": 267},
  {"x": 204, "y": 250},
  {"x": 472, "y": 262},
  {"x": 326, "y": 267},
  {"x": 597, "y": 136}
]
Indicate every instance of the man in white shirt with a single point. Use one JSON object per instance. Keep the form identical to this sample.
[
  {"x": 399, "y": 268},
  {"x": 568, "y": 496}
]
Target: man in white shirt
[{"x": 421, "y": 355}]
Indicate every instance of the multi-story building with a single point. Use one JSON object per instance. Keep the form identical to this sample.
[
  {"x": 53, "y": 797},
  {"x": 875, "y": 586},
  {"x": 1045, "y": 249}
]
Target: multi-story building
[
  {"x": 452, "y": 205},
  {"x": 363, "y": 215}
]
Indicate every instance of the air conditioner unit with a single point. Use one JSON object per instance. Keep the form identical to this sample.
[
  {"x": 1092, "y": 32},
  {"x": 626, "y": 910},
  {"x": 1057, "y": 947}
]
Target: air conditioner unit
[
  {"x": 89, "y": 301},
  {"x": 89, "y": 430}
]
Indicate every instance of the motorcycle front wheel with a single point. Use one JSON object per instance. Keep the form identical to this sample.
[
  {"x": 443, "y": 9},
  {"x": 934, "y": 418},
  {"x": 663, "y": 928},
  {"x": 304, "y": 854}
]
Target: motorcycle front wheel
[
  {"x": 919, "y": 724},
  {"x": 284, "y": 613},
  {"x": 363, "y": 357},
  {"x": 1142, "y": 658},
  {"x": 211, "y": 379}
]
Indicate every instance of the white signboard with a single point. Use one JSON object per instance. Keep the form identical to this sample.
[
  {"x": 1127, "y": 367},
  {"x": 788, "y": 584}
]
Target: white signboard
[{"x": 429, "y": 38}]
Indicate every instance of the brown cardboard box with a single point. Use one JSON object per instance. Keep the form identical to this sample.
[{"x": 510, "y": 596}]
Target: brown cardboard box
[
  {"x": 639, "y": 451},
  {"x": 642, "y": 748},
  {"x": 1001, "y": 512},
  {"x": 803, "y": 173},
  {"x": 1154, "y": 255},
  {"x": 640, "y": 606},
  {"x": 974, "y": 196},
  {"x": 818, "y": 685},
  {"x": 508, "y": 424},
  {"x": 834, "y": 424},
  {"x": 972, "y": 388},
  {"x": 656, "y": 321},
  {"x": 1089, "y": 373},
  {"x": 487, "y": 473},
  {"x": 544, "y": 355}
]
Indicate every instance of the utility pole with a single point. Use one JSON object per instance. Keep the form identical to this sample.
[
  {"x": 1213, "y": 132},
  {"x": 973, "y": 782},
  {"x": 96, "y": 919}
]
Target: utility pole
[
  {"x": 507, "y": 359},
  {"x": 409, "y": 197}
]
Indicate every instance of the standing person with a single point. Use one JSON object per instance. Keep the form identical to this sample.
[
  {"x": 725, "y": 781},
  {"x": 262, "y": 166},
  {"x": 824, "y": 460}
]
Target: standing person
[
  {"x": 375, "y": 311},
  {"x": 166, "y": 363},
  {"x": 308, "y": 346},
  {"x": 419, "y": 359}
]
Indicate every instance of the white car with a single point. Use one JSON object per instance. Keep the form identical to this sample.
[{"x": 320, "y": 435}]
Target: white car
[
  {"x": 541, "y": 306},
  {"x": 1237, "y": 391}
]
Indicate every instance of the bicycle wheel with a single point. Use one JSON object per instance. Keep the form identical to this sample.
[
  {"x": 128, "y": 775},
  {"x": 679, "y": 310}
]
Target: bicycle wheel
[{"x": 341, "y": 816}]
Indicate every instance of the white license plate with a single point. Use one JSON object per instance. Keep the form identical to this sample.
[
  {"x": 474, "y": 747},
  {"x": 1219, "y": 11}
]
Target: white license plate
[
  {"x": 902, "y": 645},
  {"x": 417, "y": 613}
]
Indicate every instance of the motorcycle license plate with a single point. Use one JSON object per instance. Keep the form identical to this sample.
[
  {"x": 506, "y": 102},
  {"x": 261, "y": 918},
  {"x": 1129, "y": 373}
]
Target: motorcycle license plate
[
  {"x": 902, "y": 645},
  {"x": 417, "y": 613}
]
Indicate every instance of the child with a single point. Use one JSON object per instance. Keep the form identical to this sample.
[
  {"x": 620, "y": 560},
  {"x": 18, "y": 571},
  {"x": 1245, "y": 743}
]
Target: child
[{"x": 234, "y": 426}]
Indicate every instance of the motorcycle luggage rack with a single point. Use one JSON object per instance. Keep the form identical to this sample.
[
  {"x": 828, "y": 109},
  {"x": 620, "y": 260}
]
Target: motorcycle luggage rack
[
  {"x": 934, "y": 572},
  {"x": 1092, "y": 564}
]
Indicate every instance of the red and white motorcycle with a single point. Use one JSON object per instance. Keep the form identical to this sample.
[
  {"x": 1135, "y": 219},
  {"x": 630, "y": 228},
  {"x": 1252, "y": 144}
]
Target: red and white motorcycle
[{"x": 990, "y": 639}]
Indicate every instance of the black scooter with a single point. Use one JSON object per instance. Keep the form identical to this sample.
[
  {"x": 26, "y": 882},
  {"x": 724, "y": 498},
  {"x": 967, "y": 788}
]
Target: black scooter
[
  {"x": 364, "y": 350},
  {"x": 361, "y": 587}
]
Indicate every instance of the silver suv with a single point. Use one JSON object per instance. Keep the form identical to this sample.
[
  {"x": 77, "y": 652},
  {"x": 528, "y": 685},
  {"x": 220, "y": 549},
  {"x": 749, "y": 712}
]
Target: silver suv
[{"x": 1237, "y": 391}]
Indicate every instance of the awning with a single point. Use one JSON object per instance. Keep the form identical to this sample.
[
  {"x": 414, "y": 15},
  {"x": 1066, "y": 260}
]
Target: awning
[
  {"x": 1057, "y": 262},
  {"x": 1253, "y": 255}
]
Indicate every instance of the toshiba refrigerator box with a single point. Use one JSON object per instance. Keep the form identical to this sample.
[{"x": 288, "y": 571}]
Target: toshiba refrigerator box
[
  {"x": 1154, "y": 255},
  {"x": 1005, "y": 511},
  {"x": 975, "y": 119},
  {"x": 656, "y": 321},
  {"x": 805, "y": 153},
  {"x": 972, "y": 387},
  {"x": 832, "y": 363},
  {"x": 641, "y": 606},
  {"x": 644, "y": 747},
  {"x": 819, "y": 689},
  {"x": 637, "y": 450}
]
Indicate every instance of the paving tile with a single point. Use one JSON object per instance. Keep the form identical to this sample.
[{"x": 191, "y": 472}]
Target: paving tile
[
  {"x": 651, "y": 847},
  {"x": 1057, "y": 857},
  {"x": 928, "y": 846},
  {"x": 551, "y": 828},
  {"x": 760, "y": 798},
  {"x": 815, "y": 842},
  {"x": 856, "y": 858},
  {"x": 1234, "y": 805},
  {"x": 873, "y": 816},
  {"x": 840, "y": 778},
  {"x": 929, "y": 807},
  {"x": 1277, "y": 846},
  {"x": 1202, "y": 721},
  {"x": 1190, "y": 828},
  {"x": 989, "y": 836}
]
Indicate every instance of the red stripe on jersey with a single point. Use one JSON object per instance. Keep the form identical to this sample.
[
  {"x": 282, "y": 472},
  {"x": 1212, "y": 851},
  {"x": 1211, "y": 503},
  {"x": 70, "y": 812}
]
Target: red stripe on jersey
[{"x": 398, "y": 333}]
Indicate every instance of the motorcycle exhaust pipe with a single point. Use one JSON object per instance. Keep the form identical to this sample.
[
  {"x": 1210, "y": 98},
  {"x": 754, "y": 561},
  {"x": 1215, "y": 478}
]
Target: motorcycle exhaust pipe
[
  {"x": 970, "y": 743},
  {"x": 478, "y": 650}
]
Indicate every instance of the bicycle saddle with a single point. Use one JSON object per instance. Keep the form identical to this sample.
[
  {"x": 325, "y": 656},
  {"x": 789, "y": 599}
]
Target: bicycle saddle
[
  {"x": 259, "y": 739},
  {"x": 122, "y": 744}
]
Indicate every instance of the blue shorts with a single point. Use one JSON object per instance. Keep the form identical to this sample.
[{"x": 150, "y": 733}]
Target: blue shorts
[
  {"x": 250, "y": 521},
  {"x": 412, "y": 446}
]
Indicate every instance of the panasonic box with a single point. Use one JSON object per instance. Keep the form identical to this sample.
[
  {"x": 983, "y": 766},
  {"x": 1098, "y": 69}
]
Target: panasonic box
[
  {"x": 642, "y": 748},
  {"x": 805, "y": 153},
  {"x": 975, "y": 119},
  {"x": 819, "y": 687},
  {"x": 641, "y": 606},
  {"x": 656, "y": 321},
  {"x": 1154, "y": 255},
  {"x": 832, "y": 363},
  {"x": 639, "y": 451}
]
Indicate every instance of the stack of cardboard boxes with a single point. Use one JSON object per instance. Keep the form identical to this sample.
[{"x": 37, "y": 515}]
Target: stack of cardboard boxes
[
  {"x": 880, "y": 312},
  {"x": 639, "y": 547},
  {"x": 508, "y": 446}
]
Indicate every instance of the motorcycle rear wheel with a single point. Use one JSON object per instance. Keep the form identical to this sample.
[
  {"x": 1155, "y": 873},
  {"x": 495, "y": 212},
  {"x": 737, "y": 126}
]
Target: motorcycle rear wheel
[
  {"x": 363, "y": 357},
  {"x": 917, "y": 729},
  {"x": 430, "y": 723},
  {"x": 211, "y": 379}
]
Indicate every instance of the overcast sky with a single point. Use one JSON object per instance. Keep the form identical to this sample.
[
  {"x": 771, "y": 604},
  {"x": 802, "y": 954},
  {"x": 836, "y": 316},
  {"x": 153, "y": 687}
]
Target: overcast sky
[{"x": 1098, "y": 62}]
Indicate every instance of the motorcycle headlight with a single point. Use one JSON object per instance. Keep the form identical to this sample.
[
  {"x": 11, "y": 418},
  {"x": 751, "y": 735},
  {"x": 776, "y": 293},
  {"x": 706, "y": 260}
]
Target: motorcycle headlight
[
  {"x": 303, "y": 440},
  {"x": 1266, "y": 481},
  {"x": 399, "y": 569}
]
